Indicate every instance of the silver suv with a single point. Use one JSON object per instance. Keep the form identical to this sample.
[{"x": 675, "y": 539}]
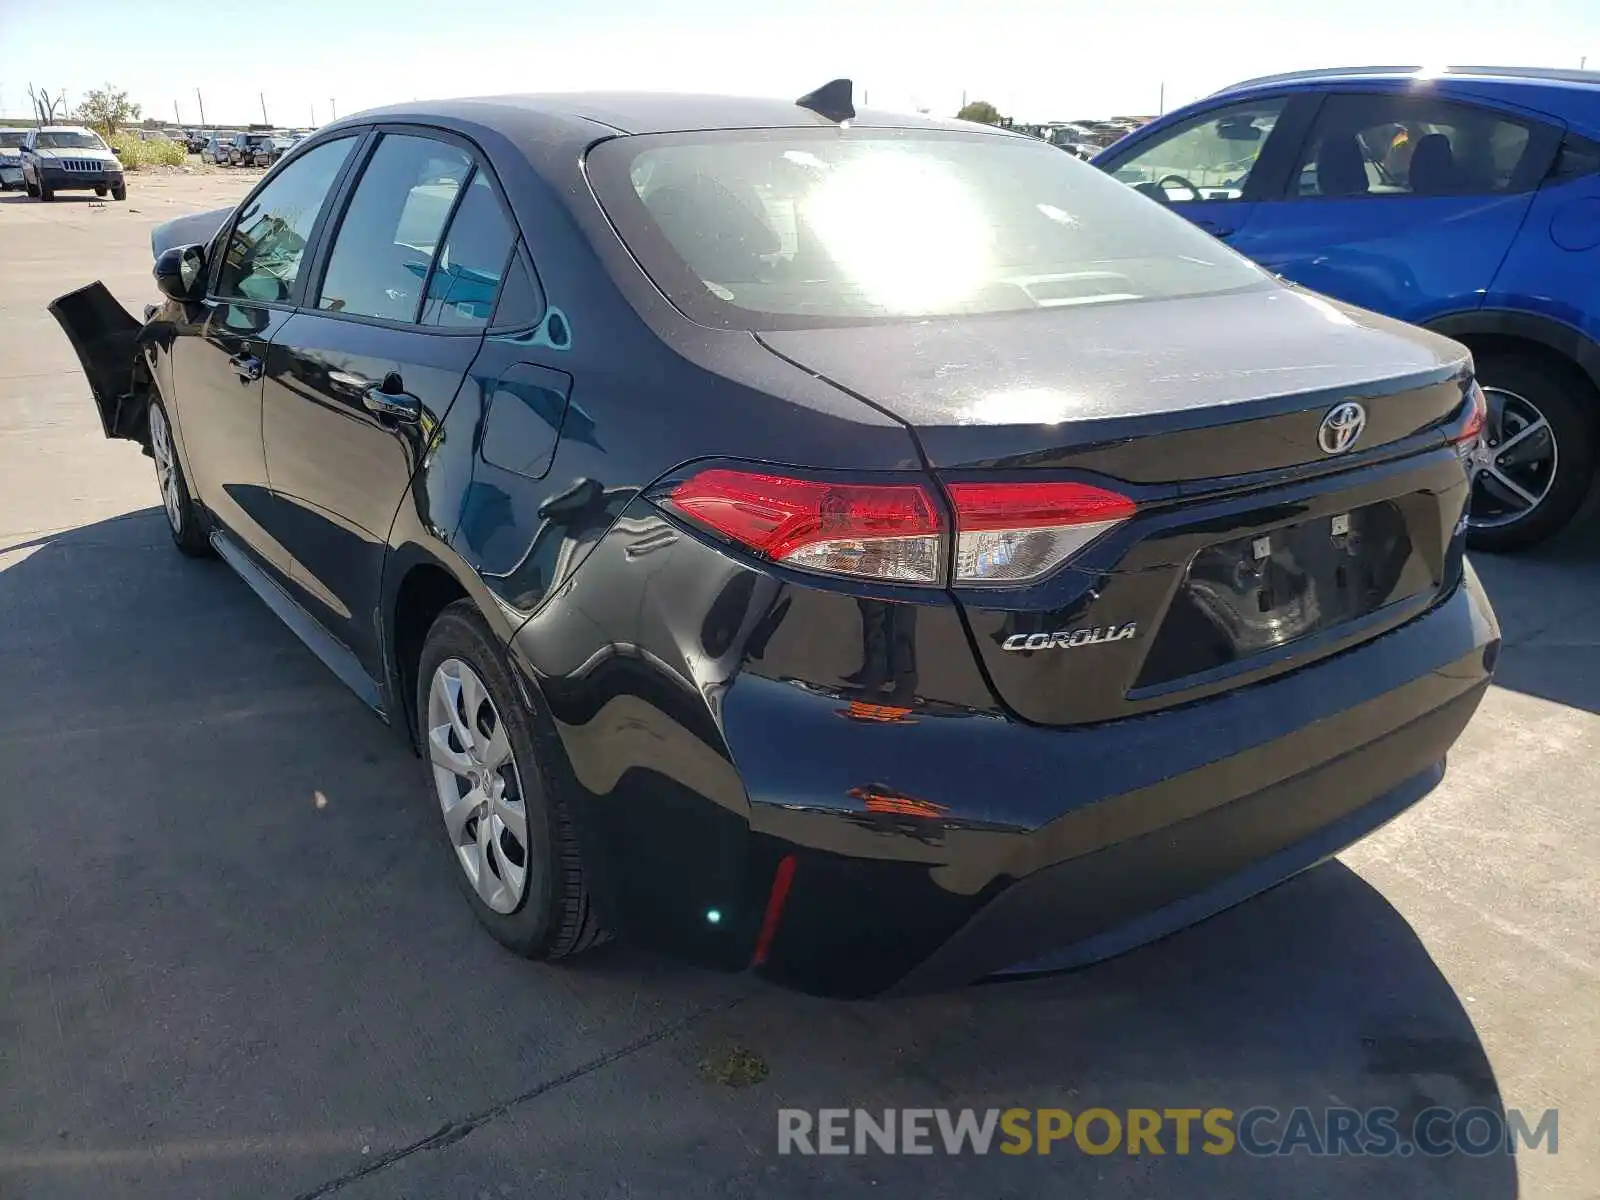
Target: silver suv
[{"x": 60, "y": 158}]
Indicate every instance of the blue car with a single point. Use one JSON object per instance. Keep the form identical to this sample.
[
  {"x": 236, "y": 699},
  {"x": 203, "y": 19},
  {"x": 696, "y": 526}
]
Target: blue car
[{"x": 1466, "y": 200}]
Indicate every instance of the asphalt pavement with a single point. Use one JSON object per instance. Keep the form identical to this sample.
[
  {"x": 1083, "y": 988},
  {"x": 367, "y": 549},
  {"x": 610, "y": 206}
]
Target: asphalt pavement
[{"x": 233, "y": 962}]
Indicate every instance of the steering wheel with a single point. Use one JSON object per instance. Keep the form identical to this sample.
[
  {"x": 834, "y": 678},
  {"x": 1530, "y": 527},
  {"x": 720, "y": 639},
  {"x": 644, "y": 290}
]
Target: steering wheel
[{"x": 1161, "y": 186}]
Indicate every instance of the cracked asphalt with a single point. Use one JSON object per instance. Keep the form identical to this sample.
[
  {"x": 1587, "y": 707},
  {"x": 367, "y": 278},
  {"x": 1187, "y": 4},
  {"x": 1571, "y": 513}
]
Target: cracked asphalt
[{"x": 234, "y": 963}]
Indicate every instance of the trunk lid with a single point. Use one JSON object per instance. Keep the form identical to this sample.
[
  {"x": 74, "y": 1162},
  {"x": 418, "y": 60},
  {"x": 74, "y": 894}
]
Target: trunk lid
[{"x": 1253, "y": 550}]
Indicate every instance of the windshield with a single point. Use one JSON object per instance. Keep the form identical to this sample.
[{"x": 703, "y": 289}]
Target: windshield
[
  {"x": 790, "y": 228},
  {"x": 10, "y": 139},
  {"x": 68, "y": 140}
]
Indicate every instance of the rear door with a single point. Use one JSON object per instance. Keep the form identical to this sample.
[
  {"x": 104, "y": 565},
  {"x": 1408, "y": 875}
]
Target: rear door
[
  {"x": 218, "y": 355},
  {"x": 1403, "y": 203},
  {"x": 1214, "y": 167},
  {"x": 359, "y": 380}
]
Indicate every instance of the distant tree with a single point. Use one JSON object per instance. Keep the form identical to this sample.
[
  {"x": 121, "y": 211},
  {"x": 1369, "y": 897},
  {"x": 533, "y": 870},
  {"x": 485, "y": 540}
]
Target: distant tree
[
  {"x": 107, "y": 109},
  {"x": 980, "y": 111},
  {"x": 44, "y": 104}
]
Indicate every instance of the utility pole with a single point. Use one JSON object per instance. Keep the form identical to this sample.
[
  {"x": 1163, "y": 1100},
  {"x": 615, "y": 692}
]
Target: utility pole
[
  {"x": 201, "y": 101},
  {"x": 313, "y": 114},
  {"x": 264, "y": 119},
  {"x": 1162, "y": 102},
  {"x": 333, "y": 108},
  {"x": 177, "y": 119}
]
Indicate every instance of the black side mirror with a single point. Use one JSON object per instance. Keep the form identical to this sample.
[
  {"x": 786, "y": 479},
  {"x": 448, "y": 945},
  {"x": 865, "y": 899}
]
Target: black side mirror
[{"x": 179, "y": 271}]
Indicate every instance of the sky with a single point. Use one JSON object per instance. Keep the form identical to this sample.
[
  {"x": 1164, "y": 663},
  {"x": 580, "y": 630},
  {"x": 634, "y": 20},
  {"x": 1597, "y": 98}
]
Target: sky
[{"x": 1035, "y": 60}]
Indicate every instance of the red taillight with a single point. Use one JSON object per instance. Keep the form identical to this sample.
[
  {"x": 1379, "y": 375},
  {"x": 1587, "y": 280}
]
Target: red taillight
[
  {"x": 1011, "y": 533},
  {"x": 1467, "y": 439},
  {"x": 875, "y": 531},
  {"x": 1006, "y": 533}
]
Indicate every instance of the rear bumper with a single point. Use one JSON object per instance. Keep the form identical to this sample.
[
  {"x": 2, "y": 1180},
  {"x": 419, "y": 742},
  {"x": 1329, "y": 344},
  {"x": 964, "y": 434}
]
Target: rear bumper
[{"x": 1051, "y": 848}]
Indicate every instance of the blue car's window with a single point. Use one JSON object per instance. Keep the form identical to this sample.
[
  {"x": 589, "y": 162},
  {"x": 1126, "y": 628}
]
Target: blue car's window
[
  {"x": 462, "y": 288},
  {"x": 1207, "y": 158},
  {"x": 1406, "y": 145},
  {"x": 392, "y": 228},
  {"x": 788, "y": 228},
  {"x": 268, "y": 241}
]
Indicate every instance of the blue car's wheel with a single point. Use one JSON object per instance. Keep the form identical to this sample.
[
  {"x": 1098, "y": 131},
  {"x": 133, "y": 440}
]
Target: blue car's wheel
[{"x": 1533, "y": 469}]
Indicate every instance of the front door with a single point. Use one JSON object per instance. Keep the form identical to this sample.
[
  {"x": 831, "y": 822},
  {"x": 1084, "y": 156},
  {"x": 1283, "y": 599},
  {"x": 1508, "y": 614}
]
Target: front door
[
  {"x": 218, "y": 358},
  {"x": 359, "y": 381},
  {"x": 1402, "y": 203},
  {"x": 1213, "y": 167}
]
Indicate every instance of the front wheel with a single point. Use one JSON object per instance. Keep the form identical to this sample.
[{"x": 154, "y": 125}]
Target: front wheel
[
  {"x": 29, "y": 188},
  {"x": 120, "y": 192},
  {"x": 100, "y": 191},
  {"x": 45, "y": 194},
  {"x": 183, "y": 516},
  {"x": 507, "y": 831},
  {"x": 1532, "y": 471}
]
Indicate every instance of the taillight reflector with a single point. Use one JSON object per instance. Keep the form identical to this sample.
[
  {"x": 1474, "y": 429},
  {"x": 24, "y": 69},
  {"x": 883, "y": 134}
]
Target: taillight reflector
[{"x": 1476, "y": 419}]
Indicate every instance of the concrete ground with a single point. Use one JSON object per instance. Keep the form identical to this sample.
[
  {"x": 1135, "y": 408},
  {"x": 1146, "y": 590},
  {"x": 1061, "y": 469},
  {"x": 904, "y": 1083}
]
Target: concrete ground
[{"x": 233, "y": 962}]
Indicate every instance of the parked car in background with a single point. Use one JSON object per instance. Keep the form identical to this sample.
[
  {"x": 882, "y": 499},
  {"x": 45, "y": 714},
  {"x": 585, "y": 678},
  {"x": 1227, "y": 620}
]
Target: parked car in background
[
  {"x": 66, "y": 158},
  {"x": 11, "y": 158},
  {"x": 860, "y": 608},
  {"x": 1466, "y": 201},
  {"x": 241, "y": 149},
  {"x": 216, "y": 148},
  {"x": 195, "y": 140},
  {"x": 259, "y": 150}
]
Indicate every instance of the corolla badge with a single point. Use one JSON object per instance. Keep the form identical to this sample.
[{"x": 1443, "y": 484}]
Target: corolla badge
[
  {"x": 1071, "y": 639},
  {"x": 1341, "y": 427}
]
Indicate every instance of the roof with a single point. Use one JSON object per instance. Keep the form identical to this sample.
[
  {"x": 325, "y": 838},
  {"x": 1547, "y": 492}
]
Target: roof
[
  {"x": 1555, "y": 76},
  {"x": 650, "y": 112}
]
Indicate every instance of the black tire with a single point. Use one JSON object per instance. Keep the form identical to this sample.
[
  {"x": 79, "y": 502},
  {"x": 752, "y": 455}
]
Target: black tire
[
  {"x": 29, "y": 188},
  {"x": 555, "y": 917},
  {"x": 100, "y": 191},
  {"x": 1565, "y": 401},
  {"x": 188, "y": 528},
  {"x": 120, "y": 192},
  {"x": 46, "y": 194}
]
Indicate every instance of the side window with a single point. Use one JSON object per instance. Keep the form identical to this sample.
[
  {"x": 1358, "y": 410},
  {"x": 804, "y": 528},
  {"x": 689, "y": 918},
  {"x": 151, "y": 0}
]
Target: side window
[
  {"x": 1207, "y": 158},
  {"x": 520, "y": 303},
  {"x": 1578, "y": 157},
  {"x": 1409, "y": 146},
  {"x": 392, "y": 227},
  {"x": 262, "y": 259},
  {"x": 462, "y": 288}
]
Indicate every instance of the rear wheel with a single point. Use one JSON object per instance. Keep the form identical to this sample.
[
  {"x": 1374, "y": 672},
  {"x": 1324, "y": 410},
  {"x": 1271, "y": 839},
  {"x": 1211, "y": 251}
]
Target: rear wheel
[
  {"x": 1534, "y": 466},
  {"x": 183, "y": 516},
  {"x": 507, "y": 832}
]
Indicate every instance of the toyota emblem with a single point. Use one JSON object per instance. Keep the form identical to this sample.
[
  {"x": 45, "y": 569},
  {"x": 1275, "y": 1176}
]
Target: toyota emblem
[{"x": 1341, "y": 427}]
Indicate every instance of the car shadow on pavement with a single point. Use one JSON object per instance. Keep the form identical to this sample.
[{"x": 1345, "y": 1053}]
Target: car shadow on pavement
[
  {"x": 237, "y": 964},
  {"x": 1548, "y": 602}
]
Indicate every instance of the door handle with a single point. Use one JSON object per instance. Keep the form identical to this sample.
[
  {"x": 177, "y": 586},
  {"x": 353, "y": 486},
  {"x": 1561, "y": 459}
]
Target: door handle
[
  {"x": 386, "y": 399},
  {"x": 246, "y": 366}
]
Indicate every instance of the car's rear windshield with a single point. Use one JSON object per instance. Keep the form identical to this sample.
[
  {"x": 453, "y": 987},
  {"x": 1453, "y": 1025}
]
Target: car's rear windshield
[
  {"x": 788, "y": 228},
  {"x": 67, "y": 140}
]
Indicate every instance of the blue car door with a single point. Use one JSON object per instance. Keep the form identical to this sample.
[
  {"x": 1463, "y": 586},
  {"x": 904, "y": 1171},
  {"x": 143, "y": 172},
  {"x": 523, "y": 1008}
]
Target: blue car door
[
  {"x": 1213, "y": 165},
  {"x": 1401, "y": 202}
]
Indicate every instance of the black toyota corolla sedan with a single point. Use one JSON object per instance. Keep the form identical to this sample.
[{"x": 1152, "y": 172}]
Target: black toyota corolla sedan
[{"x": 870, "y": 550}]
